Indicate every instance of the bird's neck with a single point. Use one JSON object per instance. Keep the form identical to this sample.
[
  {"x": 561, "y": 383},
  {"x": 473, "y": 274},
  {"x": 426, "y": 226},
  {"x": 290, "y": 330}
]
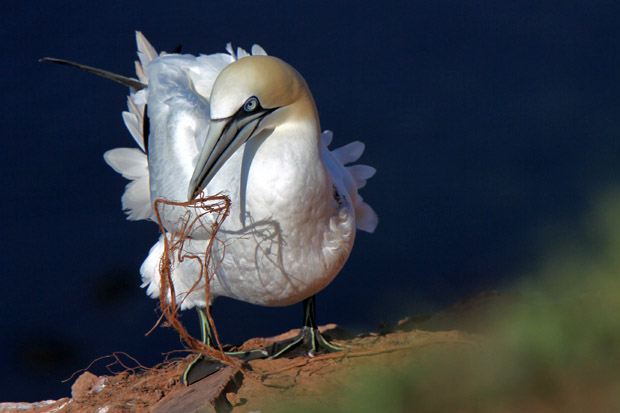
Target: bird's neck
[
  {"x": 288, "y": 161},
  {"x": 303, "y": 125}
]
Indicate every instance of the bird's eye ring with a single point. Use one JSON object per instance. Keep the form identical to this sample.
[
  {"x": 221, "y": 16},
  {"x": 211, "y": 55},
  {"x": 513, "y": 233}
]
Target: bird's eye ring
[{"x": 251, "y": 104}]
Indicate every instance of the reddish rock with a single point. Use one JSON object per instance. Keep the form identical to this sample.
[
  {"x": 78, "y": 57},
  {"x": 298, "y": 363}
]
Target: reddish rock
[
  {"x": 86, "y": 384},
  {"x": 208, "y": 395}
]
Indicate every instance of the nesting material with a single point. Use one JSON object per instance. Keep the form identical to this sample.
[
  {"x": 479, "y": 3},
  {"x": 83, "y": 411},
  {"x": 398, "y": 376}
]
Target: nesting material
[{"x": 204, "y": 213}]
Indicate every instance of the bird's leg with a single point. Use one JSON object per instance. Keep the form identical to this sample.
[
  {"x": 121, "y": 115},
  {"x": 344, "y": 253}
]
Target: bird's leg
[
  {"x": 205, "y": 328},
  {"x": 308, "y": 342},
  {"x": 204, "y": 366}
]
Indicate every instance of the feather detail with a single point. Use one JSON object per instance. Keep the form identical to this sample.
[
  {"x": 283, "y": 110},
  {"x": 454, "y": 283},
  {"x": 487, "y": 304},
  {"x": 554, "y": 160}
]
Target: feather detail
[
  {"x": 140, "y": 72},
  {"x": 241, "y": 53},
  {"x": 184, "y": 275},
  {"x": 150, "y": 269},
  {"x": 231, "y": 51},
  {"x": 129, "y": 162},
  {"x": 326, "y": 138},
  {"x": 132, "y": 163},
  {"x": 258, "y": 51},
  {"x": 136, "y": 200},
  {"x": 134, "y": 127},
  {"x": 350, "y": 178},
  {"x": 135, "y": 117},
  {"x": 349, "y": 153},
  {"x": 360, "y": 173},
  {"x": 365, "y": 217},
  {"x": 146, "y": 52}
]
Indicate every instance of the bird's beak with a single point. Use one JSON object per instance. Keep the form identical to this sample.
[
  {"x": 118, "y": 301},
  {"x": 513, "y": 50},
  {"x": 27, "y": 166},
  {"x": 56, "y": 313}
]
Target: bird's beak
[{"x": 224, "y": 137}]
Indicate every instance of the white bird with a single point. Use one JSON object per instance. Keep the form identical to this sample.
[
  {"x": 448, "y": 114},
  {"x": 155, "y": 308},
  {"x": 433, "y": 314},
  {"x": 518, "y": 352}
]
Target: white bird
[{"x": 246, "y": 126}]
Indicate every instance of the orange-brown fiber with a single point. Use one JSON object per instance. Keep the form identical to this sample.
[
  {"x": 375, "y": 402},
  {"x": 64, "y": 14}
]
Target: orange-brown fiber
[{"x": 217, "y": 208}]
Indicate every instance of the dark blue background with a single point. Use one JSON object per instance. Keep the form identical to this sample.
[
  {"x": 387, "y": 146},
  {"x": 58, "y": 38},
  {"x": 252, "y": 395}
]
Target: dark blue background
[{"x": 487, "y": 122}]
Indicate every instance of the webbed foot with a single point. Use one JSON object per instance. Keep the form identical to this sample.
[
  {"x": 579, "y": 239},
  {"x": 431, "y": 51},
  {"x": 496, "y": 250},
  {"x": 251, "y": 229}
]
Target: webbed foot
[
  {"x": 309, "y": 342},
  {"x": 204, "y": 366}
]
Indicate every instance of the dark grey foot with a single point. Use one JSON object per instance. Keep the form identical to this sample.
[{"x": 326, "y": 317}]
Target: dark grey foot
[
  {"x": 200, "y": 368},
  {"x": 309, "y": 342},
  {"x": 204, "y": 366}
]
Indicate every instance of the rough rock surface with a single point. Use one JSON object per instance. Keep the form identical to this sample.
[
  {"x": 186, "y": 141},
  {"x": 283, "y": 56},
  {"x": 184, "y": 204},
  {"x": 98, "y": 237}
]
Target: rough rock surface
[{"x": 265, "y": 382}]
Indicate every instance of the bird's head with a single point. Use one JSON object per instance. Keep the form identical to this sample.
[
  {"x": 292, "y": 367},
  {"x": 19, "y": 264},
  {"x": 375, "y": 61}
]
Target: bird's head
[{"x": 251, "y": 96}]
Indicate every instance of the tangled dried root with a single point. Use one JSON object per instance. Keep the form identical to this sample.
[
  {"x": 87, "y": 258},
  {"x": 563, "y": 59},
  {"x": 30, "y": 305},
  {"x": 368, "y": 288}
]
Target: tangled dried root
[{"x": 206, "y": 213}]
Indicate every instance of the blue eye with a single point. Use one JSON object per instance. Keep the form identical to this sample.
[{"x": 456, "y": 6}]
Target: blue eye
[{"x": 251, "y": 104}]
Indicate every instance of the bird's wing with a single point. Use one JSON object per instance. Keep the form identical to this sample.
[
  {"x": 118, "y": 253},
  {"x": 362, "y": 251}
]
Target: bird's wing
[
  {"x": 198, "y": 75},
  {"x": 350, "y": 178},
  {"x": 132, "y": 163}
]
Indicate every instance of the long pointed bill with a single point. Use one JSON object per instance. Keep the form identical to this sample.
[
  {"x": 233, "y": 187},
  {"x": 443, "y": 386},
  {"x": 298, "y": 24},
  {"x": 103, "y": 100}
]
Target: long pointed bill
[{"x": 224, "y": 137}]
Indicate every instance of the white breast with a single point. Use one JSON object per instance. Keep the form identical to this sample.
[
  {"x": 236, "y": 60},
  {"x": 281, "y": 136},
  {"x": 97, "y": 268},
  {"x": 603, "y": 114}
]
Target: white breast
[{"x": 286, "y": 237}]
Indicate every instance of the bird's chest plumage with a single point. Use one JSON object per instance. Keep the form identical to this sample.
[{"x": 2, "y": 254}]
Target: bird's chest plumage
[{"x": 277, "y": 245}]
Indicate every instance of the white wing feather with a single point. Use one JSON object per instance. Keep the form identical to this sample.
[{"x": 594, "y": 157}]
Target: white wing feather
[
  {"x": 360, "y": 174},
  {"x": 133, "y": 125},
  {"x": 350, "y": 152},
  {"x": 350, "y": 179},
  {"x": 133, "y": 165},
  {"x": 258, "y": 51},
  {"x": 129, "y": 162},
  {"x": 146, "y": 52},
  {"x": 201, "y": 72}
]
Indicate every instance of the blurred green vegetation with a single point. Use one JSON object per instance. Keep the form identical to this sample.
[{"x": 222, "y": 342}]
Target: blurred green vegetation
[{"x": 555, "y": 348}]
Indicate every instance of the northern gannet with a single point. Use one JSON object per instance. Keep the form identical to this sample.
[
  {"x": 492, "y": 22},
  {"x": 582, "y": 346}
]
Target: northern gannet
[{"x": 244, "y": 125}]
